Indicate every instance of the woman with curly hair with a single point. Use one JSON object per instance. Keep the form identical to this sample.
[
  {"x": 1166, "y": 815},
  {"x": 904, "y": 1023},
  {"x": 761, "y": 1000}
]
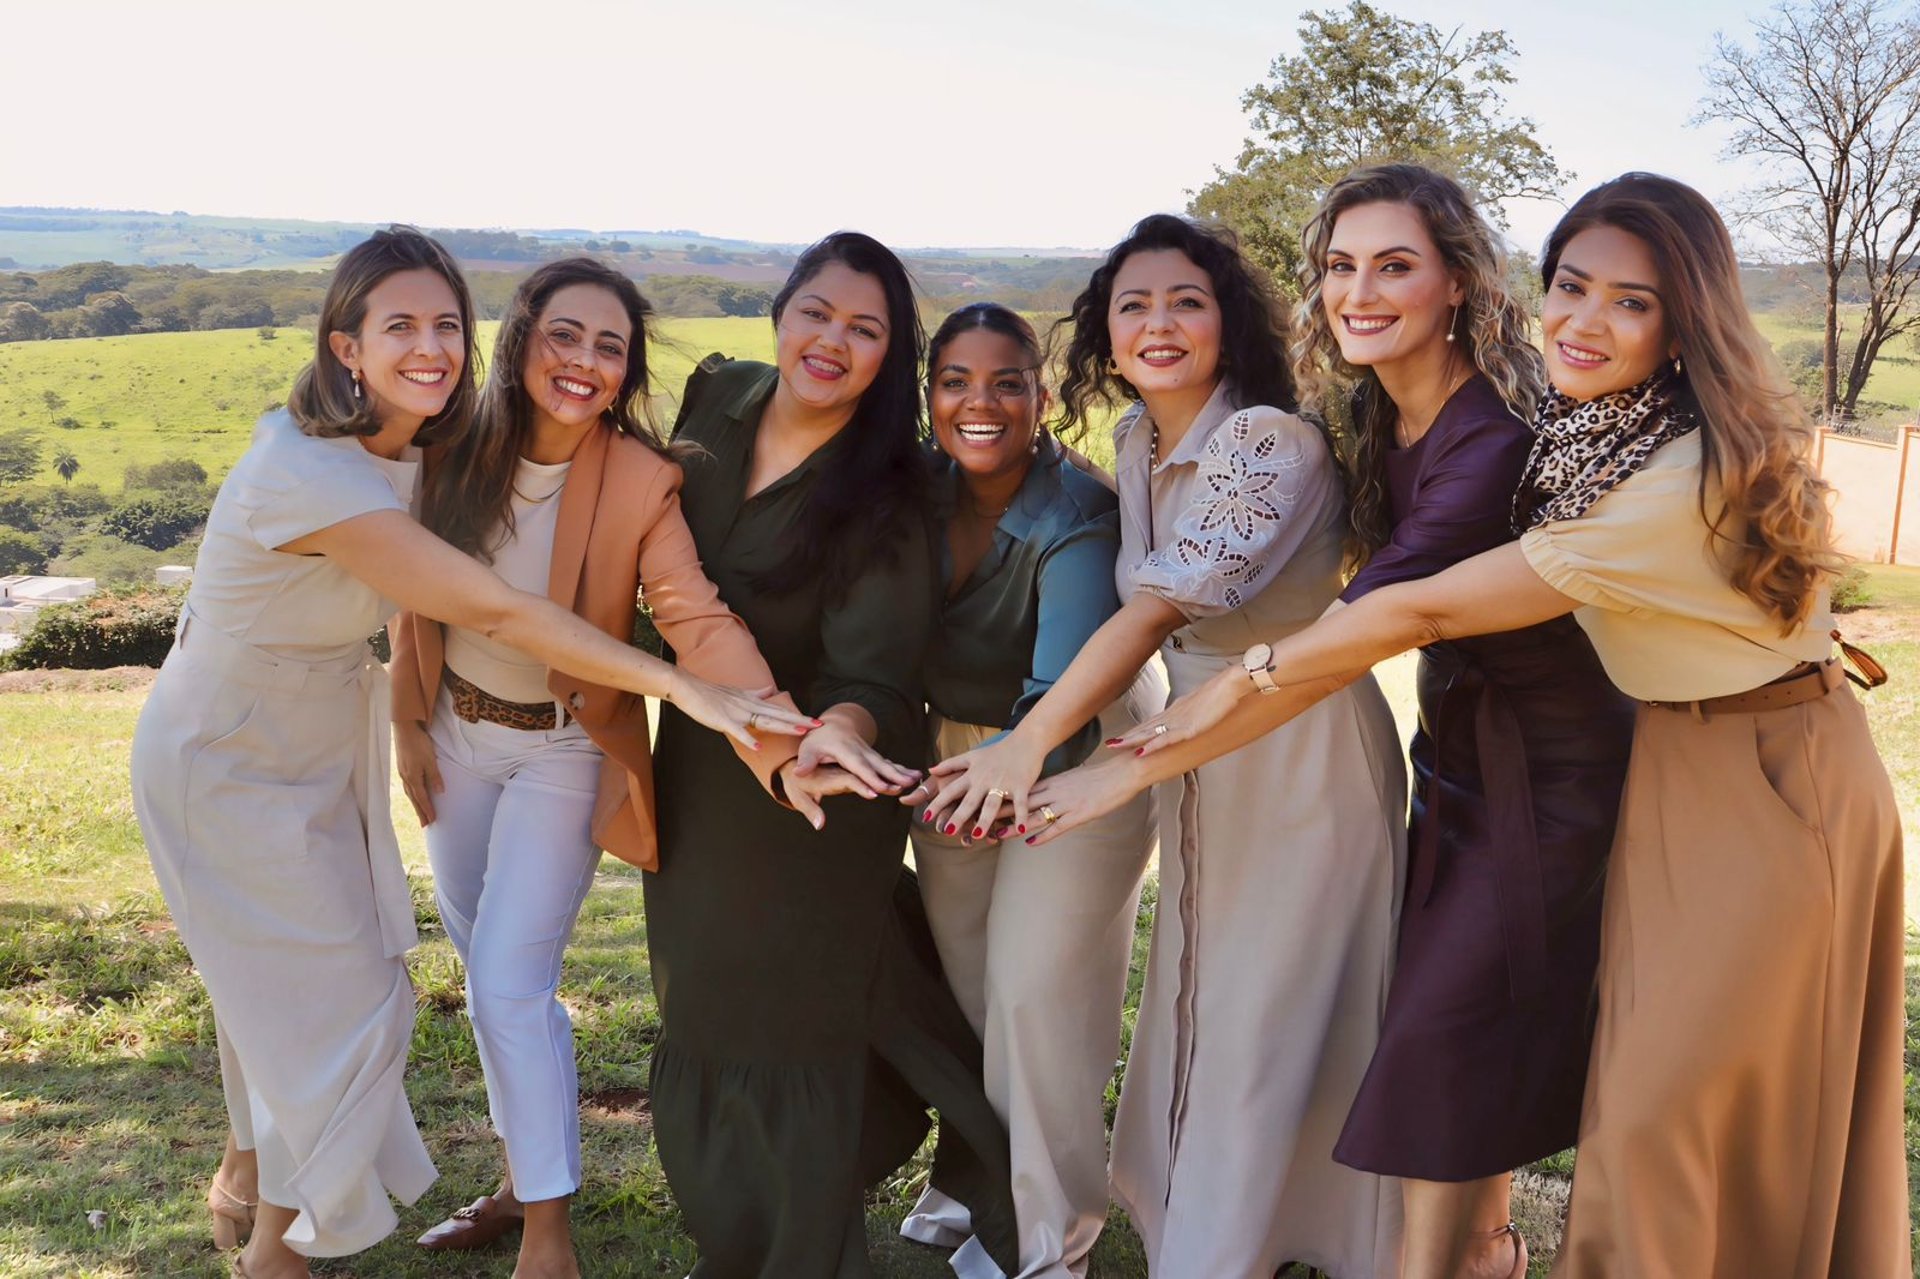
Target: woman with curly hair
[
  {"x": 1280, "y": 864},
  {"x": 1743, "y": 1107}
]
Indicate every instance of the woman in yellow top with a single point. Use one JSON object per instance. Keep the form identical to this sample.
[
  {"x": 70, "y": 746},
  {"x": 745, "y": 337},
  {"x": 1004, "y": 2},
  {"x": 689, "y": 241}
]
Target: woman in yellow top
[{"x": 1743, "y": 1106}]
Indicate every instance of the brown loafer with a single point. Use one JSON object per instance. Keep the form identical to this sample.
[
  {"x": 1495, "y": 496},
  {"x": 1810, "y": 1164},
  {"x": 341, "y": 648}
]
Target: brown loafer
[{"x": 474, "y": 1226}]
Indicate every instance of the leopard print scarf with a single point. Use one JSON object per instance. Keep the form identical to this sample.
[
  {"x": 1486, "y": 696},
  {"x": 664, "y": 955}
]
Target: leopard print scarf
[{"x": 1582, "y": 448}]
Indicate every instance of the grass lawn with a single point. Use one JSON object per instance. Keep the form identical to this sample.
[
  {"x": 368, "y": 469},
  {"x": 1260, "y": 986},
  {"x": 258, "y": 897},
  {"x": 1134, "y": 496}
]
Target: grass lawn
[
  {"x": 109, "y": 1096},
  {"x": 157, "y": 396}
]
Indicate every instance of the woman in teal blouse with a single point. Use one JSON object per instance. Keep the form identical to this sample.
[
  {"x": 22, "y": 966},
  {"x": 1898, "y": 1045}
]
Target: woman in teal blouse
[{"x": 1035, "y": 942}]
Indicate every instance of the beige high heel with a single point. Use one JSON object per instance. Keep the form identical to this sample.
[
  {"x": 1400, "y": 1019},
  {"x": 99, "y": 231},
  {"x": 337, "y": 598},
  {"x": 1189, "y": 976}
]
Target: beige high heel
[{"x": 232, "y": 1218}]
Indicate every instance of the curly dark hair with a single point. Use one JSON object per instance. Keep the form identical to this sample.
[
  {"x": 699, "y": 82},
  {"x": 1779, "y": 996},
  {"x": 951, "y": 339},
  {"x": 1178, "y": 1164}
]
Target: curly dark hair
[{"x": 1253, "y": 322}]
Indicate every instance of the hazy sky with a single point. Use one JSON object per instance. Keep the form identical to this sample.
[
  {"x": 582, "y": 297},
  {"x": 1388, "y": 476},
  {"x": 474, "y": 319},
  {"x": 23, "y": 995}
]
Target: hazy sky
[{"x": 1028, "y": 122}]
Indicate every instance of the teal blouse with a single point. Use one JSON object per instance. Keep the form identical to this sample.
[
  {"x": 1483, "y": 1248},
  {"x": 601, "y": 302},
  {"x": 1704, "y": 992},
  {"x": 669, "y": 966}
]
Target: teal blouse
[{"x": 1040, "y": 592}]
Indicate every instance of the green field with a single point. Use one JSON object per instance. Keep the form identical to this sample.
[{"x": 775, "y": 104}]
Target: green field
[
  {"x": 1893, "y": 391},
  {"x": 144, "y": 399}
]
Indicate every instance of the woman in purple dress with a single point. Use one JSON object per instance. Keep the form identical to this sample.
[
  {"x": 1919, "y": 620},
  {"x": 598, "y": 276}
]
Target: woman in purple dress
[{"x": 1522, "y": 743}]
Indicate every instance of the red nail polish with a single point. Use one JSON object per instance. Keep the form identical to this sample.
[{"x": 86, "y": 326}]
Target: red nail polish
[
  {"x": 1113, "y": 741},
  {"x": 1031, "y": 838},
  {"x": 978, "y": 832},
  {"x": 951, "y": 828},
  {"x": 1141, "y": 751},
  {"x": 1023, "y": 830}
]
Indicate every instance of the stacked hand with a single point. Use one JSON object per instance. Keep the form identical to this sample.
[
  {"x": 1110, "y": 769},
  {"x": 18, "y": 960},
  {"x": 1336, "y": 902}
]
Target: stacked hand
[
  {"x": 1187, "y": 717},
  {"x": 982, "y": 793},
  {"x": 835, "y": 760}
]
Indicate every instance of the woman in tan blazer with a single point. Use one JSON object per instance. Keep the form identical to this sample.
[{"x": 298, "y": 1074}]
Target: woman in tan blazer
[{"x": 520, "y": 773}]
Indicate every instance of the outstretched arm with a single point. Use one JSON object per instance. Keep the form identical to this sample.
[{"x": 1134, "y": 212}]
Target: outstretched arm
[{"x": 391, "y": 553}]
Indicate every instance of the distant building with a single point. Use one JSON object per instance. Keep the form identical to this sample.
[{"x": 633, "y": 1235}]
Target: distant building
[{"x": 22, "y": 596}]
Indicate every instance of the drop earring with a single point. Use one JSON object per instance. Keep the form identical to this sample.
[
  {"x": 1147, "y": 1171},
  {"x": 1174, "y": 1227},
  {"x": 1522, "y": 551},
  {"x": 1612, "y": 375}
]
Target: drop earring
[
  {"x": 356, "y": 384},
  {"x": 1453, "y": 322},
  {"x": 1678, "y": 368}
]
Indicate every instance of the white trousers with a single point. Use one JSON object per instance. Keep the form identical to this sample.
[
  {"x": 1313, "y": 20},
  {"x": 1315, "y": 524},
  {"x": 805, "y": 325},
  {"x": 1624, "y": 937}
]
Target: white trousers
[
  {"x": 513, "y": 857},
  {"x": 1035, "y": 943}
]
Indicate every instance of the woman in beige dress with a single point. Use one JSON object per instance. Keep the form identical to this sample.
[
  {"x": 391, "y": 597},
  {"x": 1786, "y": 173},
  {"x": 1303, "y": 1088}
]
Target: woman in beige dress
[
  {"x": 260, "y": 763},
  {"x": 1743, "y": 1114},
  {"x": 1280, "y": 864}
]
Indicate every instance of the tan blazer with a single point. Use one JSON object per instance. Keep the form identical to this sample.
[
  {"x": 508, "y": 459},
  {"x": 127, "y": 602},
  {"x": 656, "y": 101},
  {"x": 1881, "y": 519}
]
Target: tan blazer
[{"x": 619, "y": 531}]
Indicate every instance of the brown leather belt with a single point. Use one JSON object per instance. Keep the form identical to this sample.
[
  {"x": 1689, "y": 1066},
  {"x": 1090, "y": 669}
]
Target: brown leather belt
[
  {"x": 476, "y": 705},
  {"x": 1806, "y": 682}
]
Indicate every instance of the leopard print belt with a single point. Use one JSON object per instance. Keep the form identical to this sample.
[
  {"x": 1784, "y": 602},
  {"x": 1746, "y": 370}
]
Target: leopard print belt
[{"x": 475, "y": 705}]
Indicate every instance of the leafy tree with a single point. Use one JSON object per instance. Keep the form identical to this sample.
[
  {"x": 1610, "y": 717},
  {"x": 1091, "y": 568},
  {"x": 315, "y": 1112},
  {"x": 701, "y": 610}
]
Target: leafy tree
[
  {"x": 173, "y": 473},
  {"x": 155, "y": 521},
  {"x": 21, "y": 552},
  {"x": 1367, "y": 87},
  {"x": 21, "y": 322},
  {"x": 1828, "y": 99},
  {"x": 66, "y": 464},
  {"x": 19, "y": 456},
  {"x": 53, "y": 400}
]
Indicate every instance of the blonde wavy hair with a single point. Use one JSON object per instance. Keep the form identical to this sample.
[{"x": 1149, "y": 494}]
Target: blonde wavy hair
[
  {"x": 1493, "y": 329},
  {"x": 1774, "y": 523}
]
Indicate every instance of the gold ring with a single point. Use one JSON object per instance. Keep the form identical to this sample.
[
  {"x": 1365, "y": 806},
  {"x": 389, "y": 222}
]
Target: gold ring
[
  {"x": 997, "y": 793},
  {"x": 1048, "y": 815},
  {"x": 1159, "y": 730}
]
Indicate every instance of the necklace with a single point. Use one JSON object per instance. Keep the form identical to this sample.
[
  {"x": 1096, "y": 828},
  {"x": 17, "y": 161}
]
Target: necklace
[
  {"x": 1153, "y": 449},
  {"x": 1403, "y": 433}
]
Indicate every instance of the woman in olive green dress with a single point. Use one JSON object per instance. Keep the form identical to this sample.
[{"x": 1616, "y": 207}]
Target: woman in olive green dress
[{"x": 805, "y": 1027}]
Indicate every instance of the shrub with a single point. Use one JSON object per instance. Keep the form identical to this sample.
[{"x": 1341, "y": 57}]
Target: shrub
[
  {"x": 156, "y": 522},
  {"x": 1851, "y": 590},
  {"x": 21, "y": 552},
  {"x": 132, "y": 626},
  {"x": 174, "y": 473}
]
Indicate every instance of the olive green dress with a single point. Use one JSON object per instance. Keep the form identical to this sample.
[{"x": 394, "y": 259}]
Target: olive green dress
[{"x": 805, "y": 1025}]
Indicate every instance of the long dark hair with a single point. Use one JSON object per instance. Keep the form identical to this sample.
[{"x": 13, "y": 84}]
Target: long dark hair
[
  {"x": 1755, "y": 436},
  {"x": 1492, "y": 330},
  {"x": 858, "y": 507},
  {"x": 1253, "y": 324},
  {"x": 469, "y": 495},
  {"x": 322, "y": 400}
]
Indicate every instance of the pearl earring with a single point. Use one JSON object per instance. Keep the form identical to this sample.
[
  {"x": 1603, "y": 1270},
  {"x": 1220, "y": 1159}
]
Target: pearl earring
[
  {"x": 1453, "y": 323},
  {"x": 356, "y": 384}
]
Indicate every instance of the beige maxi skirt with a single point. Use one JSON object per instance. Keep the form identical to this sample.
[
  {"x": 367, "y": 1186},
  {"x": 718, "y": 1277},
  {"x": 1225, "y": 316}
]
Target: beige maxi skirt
[{"x": 1743, "y": 1111}]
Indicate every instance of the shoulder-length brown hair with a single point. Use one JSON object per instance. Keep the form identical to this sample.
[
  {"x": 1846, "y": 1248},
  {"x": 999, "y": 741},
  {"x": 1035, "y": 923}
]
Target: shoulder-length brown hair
[
  {"x": 1493, "y": 329},
  {"x": 469, "y": 493},
  {"x": 1755, "y": 435},
  {"x": 322, "y": 401}
]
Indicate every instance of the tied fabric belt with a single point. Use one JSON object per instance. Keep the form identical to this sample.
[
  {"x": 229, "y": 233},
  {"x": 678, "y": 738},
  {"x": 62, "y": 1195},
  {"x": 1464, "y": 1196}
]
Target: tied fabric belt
[
  {"x": 1513, "y": 841},
  {"x": 354, "y": 674}
]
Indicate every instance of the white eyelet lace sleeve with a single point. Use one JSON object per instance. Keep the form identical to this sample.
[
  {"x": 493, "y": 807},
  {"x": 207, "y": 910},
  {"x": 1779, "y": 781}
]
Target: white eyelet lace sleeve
[{"x": 1262, "y": 480}]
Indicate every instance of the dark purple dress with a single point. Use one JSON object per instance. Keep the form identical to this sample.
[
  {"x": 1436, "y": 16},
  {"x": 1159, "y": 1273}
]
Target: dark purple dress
[{"x": 1517, "y": 768}]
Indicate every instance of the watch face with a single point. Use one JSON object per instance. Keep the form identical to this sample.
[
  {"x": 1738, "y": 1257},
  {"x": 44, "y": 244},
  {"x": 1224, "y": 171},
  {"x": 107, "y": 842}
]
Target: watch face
[{"x": 1258, "y": 656}]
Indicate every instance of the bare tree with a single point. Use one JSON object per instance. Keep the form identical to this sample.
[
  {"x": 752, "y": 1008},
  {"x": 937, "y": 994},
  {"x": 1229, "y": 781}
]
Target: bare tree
[{"x": 1828, "y": 99}]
